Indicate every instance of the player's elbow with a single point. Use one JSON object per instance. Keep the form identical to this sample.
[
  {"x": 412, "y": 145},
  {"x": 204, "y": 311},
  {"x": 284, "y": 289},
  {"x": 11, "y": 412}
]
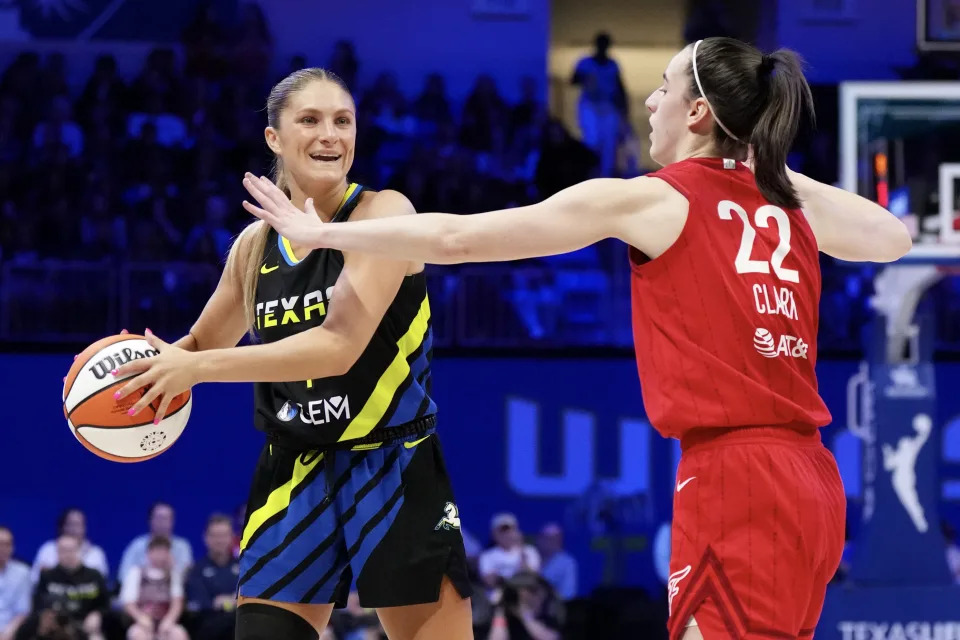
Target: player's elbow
[
  {"x": 892, "y": 240},
  {"x": 343, "y": 359},
  {"x": 332, "y": 354},
  {"x": 453, "y": 246}
]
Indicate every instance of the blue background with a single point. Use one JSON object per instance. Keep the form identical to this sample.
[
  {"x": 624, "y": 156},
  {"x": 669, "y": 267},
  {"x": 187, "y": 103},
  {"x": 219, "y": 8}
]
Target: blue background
[{"x": 209, "y": 468}]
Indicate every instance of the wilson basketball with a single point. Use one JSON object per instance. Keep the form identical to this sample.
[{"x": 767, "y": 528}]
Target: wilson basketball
[{"x": 100, "y": 422}]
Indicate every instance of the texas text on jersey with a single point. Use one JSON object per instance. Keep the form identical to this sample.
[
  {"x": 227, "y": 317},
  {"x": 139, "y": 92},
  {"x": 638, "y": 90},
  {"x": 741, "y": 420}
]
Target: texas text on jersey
[{"x": 388, "y": 386}]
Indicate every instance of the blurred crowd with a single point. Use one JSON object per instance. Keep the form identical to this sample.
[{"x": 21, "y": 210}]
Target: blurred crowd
[
  {"x": 145, "y": 170},
  {"x": 162, "y": 589},
  {"x": 149, "y": 168}
]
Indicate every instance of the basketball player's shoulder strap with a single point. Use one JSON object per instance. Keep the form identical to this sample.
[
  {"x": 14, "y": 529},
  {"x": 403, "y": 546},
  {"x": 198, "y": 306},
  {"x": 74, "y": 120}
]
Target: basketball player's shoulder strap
[
  {"x": 681, "y": 176},
  {"x": 351, "y": 198}
]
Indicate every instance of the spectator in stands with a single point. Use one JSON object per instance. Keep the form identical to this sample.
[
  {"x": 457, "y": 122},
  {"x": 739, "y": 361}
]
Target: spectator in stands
[
  {"x": 161, "y": 525},
  {"x": 483, "y": 110},
  {"x": 152, "y": 595},
  {"x": 559, "y": 568},
  {"x": 14, "y": 587},
  {"x": 253, "y": 45},
  {"x": 53, "y": 77},
  {"x": 209, "y": 240},
  {"x": 343, "y": 62},
  {"x": 563, "y": 161},
  {"x": 106, "y": 90},
  {"x": 528, "y": 114},
  {"x": 211, "y": 589},
  {"x": 73, "y": 522},
  {"x": 354, "y": 622},
  {"x": 76, "y": 594},
  {"x": 952, "y": 550},
  {"x": 528, "y": 611},
  {"x": 239, "y": 519},
  {"x": 432, "y": 107},
  {"x": 509, "y": 556},
  {"x": 602, "y": 110},
  {"x": 59, "y": 129}
]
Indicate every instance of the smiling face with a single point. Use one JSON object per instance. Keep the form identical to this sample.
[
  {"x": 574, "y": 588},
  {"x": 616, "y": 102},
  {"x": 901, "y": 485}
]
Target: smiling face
[{"x": 315, "y": 136}]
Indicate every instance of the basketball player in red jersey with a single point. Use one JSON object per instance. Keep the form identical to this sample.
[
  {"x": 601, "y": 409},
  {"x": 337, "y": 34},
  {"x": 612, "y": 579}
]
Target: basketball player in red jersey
[{"x": 726, "y": 285}]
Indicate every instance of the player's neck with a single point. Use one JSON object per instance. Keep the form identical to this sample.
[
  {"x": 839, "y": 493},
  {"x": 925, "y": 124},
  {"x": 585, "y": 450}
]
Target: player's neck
[
  {"x": 326, "y": 199},
  {"x": 697, "y": 147}
]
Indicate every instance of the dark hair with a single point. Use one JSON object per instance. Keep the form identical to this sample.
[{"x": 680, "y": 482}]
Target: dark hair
[
  {"x": 276, "y": 103},
  {"x": 219, "y": 518},
  {"x": 759, "y": 99},
  {"x": 155, "y": 505},
  {"x": 159, "y": 542},
  {"x": 62, "y": 520},
  {"x": 4, "y": 527}
]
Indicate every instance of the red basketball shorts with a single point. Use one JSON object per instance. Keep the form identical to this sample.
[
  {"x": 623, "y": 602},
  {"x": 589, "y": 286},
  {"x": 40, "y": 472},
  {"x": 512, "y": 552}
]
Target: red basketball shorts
[{"x": 758, "y": 531}]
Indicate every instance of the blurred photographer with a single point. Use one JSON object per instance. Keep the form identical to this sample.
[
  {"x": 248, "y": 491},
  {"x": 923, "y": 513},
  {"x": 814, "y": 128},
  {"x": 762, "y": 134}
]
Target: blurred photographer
[
  {"x": 70, "y": 600},
  {"x": 529, "y": 610}
]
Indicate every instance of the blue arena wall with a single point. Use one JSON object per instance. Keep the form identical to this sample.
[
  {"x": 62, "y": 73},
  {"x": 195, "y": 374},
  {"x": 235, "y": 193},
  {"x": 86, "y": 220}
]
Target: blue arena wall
[{"x": 555, "y": 439}]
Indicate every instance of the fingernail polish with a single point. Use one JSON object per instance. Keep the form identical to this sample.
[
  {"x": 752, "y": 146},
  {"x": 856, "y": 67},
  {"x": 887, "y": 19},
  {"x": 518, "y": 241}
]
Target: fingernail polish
[
  {"x": 116, "y": 396},
  {"x": 149, "y": 333},
  {"x": 156, "y": 421},
  {"x": 130, "y": 413},
  {"x": 114, "y": 372}
]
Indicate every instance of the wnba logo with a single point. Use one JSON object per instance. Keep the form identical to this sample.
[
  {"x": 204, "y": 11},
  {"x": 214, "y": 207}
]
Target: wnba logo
[{"x": 102, "y": 367}]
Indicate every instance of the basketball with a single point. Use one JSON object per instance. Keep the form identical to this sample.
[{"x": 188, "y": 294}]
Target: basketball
[{"x": 100, "y": 422}]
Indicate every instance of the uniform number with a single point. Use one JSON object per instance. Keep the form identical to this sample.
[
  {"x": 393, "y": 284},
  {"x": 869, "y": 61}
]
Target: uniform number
[{"x": 743, "y": 262}]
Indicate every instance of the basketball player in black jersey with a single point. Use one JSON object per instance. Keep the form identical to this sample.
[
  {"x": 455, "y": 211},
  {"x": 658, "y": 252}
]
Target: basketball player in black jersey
[{"x": 351, "y": 483}]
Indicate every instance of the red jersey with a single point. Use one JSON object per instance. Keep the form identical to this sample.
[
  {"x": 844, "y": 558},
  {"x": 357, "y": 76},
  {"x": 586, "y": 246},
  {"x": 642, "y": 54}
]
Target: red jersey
[{"x": 725, "y": 320}]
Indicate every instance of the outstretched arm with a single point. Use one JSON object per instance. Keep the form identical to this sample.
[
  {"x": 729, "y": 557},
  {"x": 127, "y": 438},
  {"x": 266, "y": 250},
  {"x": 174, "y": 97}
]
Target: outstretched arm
[
  {"x": 572, "y": 219},
  {"x": 850, "y": 227},
  {"x": 363, "y": 292}
]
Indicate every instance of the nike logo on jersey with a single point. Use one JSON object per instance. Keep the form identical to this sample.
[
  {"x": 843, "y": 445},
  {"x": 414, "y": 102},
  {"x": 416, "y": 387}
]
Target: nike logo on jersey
[
  {"x": 684, "y": 483},
  {"x": 265, "y": 270}
]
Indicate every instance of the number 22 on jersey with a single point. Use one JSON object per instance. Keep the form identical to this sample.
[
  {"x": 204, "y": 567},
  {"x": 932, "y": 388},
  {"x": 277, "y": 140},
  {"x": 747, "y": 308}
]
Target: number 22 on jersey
[{"x": 744, "y": 263}]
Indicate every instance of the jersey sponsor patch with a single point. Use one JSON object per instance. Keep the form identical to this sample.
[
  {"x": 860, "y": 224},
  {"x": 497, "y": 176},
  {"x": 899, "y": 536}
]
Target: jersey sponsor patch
[{"x": 787, "y": 346}]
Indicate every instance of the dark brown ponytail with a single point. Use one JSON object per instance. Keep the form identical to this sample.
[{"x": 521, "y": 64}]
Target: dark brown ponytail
[
  {"x": 788, "y": 95},
  {"x": 760, "y": 99}
]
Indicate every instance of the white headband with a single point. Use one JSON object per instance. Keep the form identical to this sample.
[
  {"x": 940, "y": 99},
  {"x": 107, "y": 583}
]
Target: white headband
[{"x": 696, "y": 77}]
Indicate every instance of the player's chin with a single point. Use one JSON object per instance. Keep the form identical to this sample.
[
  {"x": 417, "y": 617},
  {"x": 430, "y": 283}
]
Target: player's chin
[
  {"x": 656, "y": 155},
  {"x": 325, "y": 172}
]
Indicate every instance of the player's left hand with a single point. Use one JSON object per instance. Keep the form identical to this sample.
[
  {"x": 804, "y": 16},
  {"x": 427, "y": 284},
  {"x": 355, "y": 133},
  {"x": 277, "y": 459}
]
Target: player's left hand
[
  {"x": 165, "y": 375},
  {"x": 300, "y": 227}
]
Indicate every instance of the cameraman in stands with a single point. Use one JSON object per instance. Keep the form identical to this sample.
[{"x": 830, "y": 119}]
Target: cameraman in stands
[
  {"x": 529, "y": 610},
  {"x": 70, "y": 600}
]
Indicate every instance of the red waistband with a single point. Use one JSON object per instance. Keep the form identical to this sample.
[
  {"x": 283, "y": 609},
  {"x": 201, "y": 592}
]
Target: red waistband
[{"x": 798, "y": 434}]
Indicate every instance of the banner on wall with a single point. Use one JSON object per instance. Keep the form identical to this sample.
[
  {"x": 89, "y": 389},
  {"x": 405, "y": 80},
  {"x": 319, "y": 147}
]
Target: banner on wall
[{"x": 551, "y": 441}]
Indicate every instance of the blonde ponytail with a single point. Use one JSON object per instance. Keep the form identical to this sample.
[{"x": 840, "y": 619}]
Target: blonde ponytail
[{"x": 243, "y": 265}]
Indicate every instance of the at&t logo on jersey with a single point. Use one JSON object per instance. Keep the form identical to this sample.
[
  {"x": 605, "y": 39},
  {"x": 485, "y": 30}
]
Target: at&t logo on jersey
[{"x": 787, "y": 346}]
